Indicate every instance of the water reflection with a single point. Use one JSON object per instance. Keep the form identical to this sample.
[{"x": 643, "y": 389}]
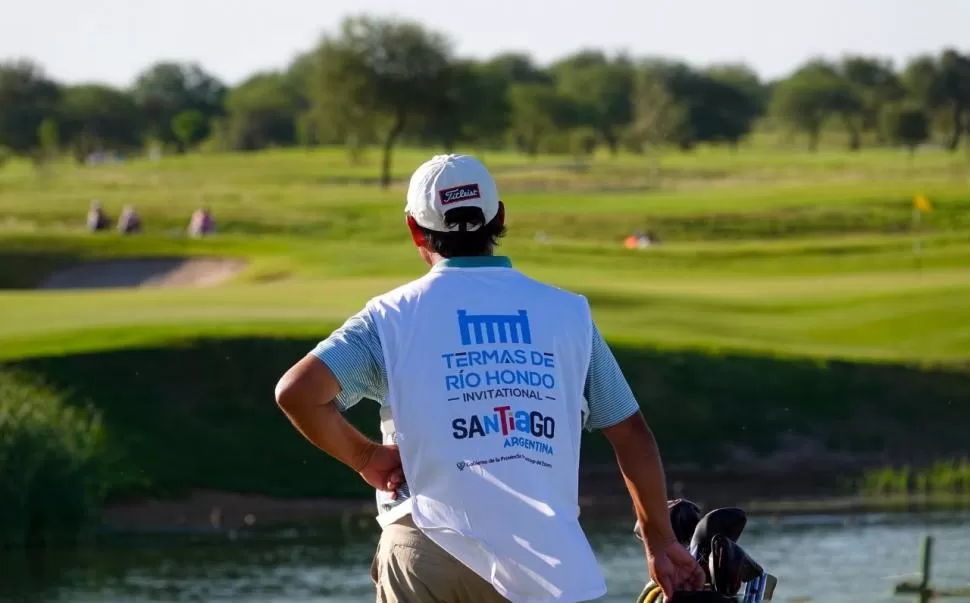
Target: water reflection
[{"x": 831, "y": 559}]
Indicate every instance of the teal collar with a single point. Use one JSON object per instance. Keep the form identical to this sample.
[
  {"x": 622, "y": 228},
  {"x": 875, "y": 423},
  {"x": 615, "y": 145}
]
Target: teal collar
[{"x": 481, "y": 261}]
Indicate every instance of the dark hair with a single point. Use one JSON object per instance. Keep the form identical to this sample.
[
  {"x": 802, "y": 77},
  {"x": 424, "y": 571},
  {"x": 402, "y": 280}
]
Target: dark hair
[{"x": 464, "y": 242}]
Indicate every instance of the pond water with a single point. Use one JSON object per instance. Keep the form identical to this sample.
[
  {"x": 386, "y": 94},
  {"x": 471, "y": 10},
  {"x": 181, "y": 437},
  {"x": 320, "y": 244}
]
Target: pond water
[{"x": 820, "y": 558}]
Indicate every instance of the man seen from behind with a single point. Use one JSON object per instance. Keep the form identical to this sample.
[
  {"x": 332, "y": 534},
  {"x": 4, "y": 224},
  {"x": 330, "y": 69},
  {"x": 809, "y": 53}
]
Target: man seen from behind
[{"x": 485, "y": 380}]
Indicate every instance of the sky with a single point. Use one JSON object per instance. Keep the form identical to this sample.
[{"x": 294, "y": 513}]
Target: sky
[{"x": 111, "y": 41}]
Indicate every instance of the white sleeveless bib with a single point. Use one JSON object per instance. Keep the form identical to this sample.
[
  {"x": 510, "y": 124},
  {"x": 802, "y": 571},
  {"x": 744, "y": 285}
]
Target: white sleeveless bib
[{"x": 486, "y": 370}]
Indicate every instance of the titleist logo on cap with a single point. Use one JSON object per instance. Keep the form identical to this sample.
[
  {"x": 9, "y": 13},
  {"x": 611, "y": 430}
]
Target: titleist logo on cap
[{"x": 459, "y": 193}]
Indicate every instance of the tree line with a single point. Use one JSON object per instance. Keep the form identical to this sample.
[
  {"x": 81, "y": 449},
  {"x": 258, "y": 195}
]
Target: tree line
[{"x": 378, "y": 81}]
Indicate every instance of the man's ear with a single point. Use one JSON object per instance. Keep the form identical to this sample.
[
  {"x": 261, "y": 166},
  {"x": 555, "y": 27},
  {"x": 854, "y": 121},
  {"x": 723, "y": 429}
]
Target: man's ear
[{"x": 416, "y": 233}]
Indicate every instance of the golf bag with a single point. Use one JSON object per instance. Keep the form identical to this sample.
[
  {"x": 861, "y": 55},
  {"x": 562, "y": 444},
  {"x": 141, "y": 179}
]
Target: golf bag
[{"x": 712, "y": 540}]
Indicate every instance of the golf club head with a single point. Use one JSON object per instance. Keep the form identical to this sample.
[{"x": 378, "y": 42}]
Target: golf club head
[
  {"x": 726, "y": 521},
  {"x": 771, "y": 581},
  {"x": 729, "y": 566},
  {"x": 684, "y": 515}
]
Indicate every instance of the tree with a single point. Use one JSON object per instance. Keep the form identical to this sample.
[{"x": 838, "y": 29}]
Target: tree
[
  {"x": 377, "y": 75},
  {"x": 535, "y": 108},
  {"x": 473, "y": 109},
  {"x": 955, "y": 75},
  {"x": 908, "y": 125},
  {"x": 810, "y": 96},
  {"x": 263, "y": 111},
  {"x": 49, "y": 136},
  {"x": 166, "y": 89},
  {"x": 730, "y": 99},
  {"x": 27, "y": 98},
  {"x": 846, "y": 102},
  {"x": 189, "y": 127},
  {"x": 657, "y": 116},
  {"x": 922, "y": 79},
  {"x": 97, "y": 117},
  {"x": 717, "y": 105},
  {"x": 298, "y": 80},
  {"x": 600, "y": 91},
  {"x": 943, "y": 88},
  {"x": 876, "y": 85},
  {"x": 745, "y": 80},
  {"x": 669, "y": 87},
  {"x": 518, "y": 68}
]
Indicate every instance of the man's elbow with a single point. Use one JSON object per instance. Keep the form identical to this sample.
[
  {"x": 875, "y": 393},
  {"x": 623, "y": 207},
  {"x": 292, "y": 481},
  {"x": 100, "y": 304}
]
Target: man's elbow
[
  {"x": 287, "y": 394},
  {"x": 308, "y": 383},
  {"x": 630, "y": 432}
]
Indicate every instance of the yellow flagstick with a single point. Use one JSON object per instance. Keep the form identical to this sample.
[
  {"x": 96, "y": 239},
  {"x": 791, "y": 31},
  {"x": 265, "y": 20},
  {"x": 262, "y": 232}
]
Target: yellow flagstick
[{"x": 920, "y": 205}]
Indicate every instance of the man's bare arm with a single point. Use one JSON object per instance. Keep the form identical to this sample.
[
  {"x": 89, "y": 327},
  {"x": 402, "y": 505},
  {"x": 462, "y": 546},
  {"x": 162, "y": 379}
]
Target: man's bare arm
[
  {"x": 639, "y": 460},
  {"x": 304, "y": 394}
]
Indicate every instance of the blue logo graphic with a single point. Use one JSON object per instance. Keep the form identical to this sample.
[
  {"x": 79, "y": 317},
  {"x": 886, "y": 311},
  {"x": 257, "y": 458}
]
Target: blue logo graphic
[
  {"x": 508, "y": 423},
  {"x": 478, "y": 329}
]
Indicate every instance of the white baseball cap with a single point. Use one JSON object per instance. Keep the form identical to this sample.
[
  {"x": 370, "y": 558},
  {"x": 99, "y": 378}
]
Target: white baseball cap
[{"x": 445, "y": 182}]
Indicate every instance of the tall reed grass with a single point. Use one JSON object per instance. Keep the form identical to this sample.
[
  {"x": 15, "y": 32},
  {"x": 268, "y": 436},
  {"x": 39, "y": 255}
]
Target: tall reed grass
[
  {"x": 51, "y": 465},
  {"x": 943, "y": 477}
]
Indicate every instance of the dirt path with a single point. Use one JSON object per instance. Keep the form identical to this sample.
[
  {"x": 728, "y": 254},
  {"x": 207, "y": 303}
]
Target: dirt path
[
  {"x": 602, "y": 493},
  {"x": 218, "y": 510},
  {"x": 154, "y": 272}
]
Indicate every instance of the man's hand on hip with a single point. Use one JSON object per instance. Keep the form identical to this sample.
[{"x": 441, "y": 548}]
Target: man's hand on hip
[
  {"x": 305, "y": 394},
  {"x": 381, "y": 468}
]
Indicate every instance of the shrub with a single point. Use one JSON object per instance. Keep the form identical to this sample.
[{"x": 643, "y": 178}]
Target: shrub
[{"x": 50, "y": 463}]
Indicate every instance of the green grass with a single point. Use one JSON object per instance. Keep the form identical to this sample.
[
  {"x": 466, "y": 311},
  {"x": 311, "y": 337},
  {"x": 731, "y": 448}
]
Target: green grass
[
  {"x": 783, "y": 299},
  {"x": 774, "y": 251},
  {"x": 853, "y": 298}
]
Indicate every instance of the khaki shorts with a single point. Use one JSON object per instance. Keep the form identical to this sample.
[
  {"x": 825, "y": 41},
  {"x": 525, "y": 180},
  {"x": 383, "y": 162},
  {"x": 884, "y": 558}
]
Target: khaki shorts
[{"x": 409, "y": 568}]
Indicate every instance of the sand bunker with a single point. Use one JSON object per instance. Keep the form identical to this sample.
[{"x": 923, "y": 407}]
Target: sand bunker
[{"x": 155, "y": 272}]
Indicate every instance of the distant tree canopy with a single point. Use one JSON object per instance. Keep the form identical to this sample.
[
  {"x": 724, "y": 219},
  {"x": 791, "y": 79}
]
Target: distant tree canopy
[
  {"x": 27, "y": 98},
  {"x": 261, "y": 112},
  {"x": 166, "y": 89},
  {"x": 97, "y": 118},
  {"x": 378, "y": 76},
  {"x": 381, "y": 81}
]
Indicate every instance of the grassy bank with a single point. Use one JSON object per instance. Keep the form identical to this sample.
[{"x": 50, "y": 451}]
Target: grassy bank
[
  {"x": 941, "y": 478},
  {"x": 200, "y": 414}
]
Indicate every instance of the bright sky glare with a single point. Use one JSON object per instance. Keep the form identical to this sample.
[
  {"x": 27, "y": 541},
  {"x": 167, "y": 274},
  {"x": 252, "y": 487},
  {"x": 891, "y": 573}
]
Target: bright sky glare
[{"x": 112, "y": 40}]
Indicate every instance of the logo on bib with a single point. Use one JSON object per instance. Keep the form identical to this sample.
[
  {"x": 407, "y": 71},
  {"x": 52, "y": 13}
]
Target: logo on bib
[
  {"x": 515, "y": 425},
  {"x": 479, "y": 329},
  {"x": 465, "y": 192}
]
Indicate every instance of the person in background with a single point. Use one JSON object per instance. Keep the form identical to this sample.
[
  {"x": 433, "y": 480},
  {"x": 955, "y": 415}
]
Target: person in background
[
  {"x": 638, "y": 240},
  {"x": 201, "y": 223},
  {"x": 97, "y": 219},
  {"x": 129, "y": 222}
]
